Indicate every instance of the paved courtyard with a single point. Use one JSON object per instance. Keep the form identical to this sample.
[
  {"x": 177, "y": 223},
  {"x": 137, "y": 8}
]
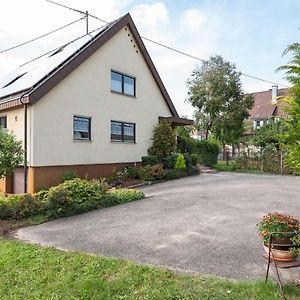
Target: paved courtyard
[{"x": 201, "y": 224}]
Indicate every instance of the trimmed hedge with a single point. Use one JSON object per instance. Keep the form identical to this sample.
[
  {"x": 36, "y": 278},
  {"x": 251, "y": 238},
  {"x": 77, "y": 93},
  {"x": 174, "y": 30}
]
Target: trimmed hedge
[
  {"x": 206, "y": 150},
  {"x": 67, "y": 199}
]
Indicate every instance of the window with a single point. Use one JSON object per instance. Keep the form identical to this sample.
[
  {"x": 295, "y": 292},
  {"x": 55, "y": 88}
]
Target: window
[
  {"x": 15, "y": 79},
  {"x": 122, "y": 132},
  {"x": 3, "y": 122},
  {"x": 81, "y": 128},
  {"x": 122, "y": 84}
]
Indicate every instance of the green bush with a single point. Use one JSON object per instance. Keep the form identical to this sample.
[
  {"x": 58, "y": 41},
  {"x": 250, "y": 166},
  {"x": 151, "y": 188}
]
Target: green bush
[
  {"x": 19, "y": 206},
  {"x": 180, "y": 163},
  {"x": 206, "y": 150},
  {"x": 69, "y": 176},
  {"x": 164, "y": 140},
  {"x": 58, "y": 201},
  {"x": 194, "y": 159},
  {"x": 149, "y": 173},
  {"x": 81, "y": 190},
  {"x": 170, "y": 161},
  {"x": 126, "y": 195},
  {"x": 172, "y": 174},
  {"x": 69, "y": 198},
  {"x": 150, "y": 160},
  {"x": 186, "y": 145},
  {"x": 133, "y": 172},
  {"x": 188, "y": 161}
]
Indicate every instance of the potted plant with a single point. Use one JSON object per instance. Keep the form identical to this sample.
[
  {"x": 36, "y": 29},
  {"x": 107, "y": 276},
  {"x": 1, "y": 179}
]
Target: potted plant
[{"x": 284, "y": 229}]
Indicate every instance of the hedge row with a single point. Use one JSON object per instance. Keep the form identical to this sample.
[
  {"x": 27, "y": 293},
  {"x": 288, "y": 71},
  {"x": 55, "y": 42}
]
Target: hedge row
[
  {"x": 69, "y": 198},
  {"x": 206, "y": 150}
]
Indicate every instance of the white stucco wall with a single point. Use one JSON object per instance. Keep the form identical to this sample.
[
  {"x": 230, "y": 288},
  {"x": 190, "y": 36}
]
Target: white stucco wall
[
  {"x": 15, "y": 123},
  {"x": 87, "y": 92}
]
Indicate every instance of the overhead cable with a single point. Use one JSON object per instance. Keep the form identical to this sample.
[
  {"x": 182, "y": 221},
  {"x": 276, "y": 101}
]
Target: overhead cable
[{"x": 41, "y": 36}]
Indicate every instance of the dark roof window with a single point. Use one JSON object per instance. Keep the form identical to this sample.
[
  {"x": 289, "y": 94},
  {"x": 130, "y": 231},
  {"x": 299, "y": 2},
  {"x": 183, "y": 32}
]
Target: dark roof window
[
  {"x": 15, "y": 79},
  {"x": 57, "y": 51}
]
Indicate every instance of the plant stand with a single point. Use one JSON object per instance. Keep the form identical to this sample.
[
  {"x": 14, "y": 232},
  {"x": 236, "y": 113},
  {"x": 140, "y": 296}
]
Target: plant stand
[{"x": 279, "y": 265}]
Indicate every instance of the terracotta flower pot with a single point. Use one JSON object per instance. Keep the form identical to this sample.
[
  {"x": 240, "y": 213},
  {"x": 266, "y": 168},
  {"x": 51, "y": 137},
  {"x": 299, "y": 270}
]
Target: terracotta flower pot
[{"x": 280, "y": 255}]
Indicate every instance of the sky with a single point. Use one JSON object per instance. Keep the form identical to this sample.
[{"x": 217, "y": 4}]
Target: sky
[{"x": 252, "y": 34}]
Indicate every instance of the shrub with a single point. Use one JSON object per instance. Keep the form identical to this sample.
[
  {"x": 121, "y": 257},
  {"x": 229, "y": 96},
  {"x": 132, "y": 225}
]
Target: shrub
[
  {"x": 133, "y": 172},
  {"x": 69, "y": 176},
  {"x": 186, "y": 145},
  {"x": 164, "y": 140},
  {"x": 188, "y": 161},
  {"x": 145, "y": 173},
  {"x": 170, "y": 161},
  {"x": 19, "y": 206},
  {"x": 69, "y": 198},
  {"x": 148, "y": 173},
  {"x": 126, "y": 195},
  {"x": 150, "y": 160},
  {"x": 180, "y": 163},
  {"x": 194, "y": 159},
  {"x": 74, "y": 196},
  {"x": 81, "y": 189},
  {"x": 208, "y": 151},
  {"x": 58, "y": 200},
  {"x": 172, "y": 174}
]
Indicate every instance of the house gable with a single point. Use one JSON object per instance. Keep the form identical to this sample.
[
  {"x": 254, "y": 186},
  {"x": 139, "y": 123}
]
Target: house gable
[
  {"x": 60, "y": 72},
  {"x": 87, "y": 92}
]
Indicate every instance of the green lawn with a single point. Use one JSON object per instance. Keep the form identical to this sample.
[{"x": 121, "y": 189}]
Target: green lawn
[
  {"x": 32, "y": 272},
  {"x": 222, "y": 166}
]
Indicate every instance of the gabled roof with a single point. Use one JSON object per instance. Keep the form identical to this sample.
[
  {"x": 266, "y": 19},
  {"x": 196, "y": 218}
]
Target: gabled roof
[
  {"x": 33, "y": 80},
  {"x": 263, "y": 107}
]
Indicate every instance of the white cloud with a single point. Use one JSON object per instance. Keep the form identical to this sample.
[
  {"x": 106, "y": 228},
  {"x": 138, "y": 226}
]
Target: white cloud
[
  {"x": 152, "y": 20},
  {"x": 192, "y": 20},
  {"x": 151, "y": 15}
]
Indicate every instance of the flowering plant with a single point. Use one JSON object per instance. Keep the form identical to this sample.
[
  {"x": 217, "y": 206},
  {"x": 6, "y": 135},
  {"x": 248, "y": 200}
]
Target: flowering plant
[{"x": 275, "y": 222}]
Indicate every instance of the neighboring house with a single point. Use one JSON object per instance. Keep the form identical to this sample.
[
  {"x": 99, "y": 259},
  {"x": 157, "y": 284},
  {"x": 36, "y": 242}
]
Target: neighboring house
[
  {"x": 197, "y": 134},
  {"x": 88, "y": 107},
  {"x": 266, "y": 106}
]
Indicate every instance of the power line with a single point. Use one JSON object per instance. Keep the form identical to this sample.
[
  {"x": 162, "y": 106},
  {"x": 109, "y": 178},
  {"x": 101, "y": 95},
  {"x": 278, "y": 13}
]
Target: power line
[
  {"x": 86, "y": 14},
  {"x": 70, "y": 8},
  {"x": 41, "y": 36},
  {"x": 203, "y": 60},
  {"x": 78, "y": 11},
  {"x": 165, "y": 46},
  {"x": 57, "y": 48}
]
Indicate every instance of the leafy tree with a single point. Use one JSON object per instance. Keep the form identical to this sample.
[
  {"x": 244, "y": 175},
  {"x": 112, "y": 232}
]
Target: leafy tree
[
  {"x": 291, "y": 138},
  {"x": 184, "y": 131},
  {"x": 164, "y": 140},
  {"x": 215, "y": 90},
  {"x": 269, "y": 134},
  {"x": 11, "y": 153}
]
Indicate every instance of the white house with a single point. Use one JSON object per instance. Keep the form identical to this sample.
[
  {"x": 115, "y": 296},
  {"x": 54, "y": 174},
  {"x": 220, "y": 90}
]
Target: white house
[{"x": 88, "y": 107}]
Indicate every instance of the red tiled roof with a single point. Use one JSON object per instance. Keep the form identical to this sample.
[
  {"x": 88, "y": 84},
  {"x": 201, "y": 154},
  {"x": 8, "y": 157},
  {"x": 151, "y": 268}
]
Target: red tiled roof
[{"x": 263, "y": 107}]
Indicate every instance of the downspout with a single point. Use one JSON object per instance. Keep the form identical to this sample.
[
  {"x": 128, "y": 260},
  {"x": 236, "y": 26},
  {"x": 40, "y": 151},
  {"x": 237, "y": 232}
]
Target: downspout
[{"x": 25, "y": 142}]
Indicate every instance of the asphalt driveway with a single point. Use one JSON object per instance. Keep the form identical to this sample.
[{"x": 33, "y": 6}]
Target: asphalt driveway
[{"x": 201, "y": 224}]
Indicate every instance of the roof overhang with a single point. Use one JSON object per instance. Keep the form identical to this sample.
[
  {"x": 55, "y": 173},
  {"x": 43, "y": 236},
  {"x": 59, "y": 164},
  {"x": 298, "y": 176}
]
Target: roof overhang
[{"x": 176, "y": 121}]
